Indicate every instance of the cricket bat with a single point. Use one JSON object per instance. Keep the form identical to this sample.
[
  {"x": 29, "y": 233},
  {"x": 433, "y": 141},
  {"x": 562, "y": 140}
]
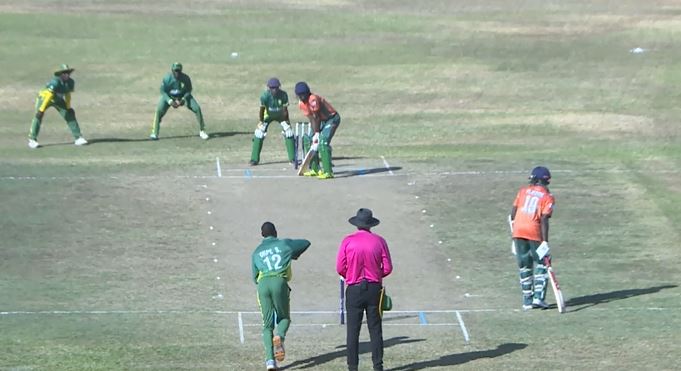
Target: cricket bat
[
  {"x": 306, "y": 162},
  {"x": 560, "y": 302},
  {"x": 510, "y": 225}
]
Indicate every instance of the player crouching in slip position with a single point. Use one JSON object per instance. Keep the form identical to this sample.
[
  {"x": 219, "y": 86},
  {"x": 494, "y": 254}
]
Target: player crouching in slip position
[
  {"x": 176, "y": 91},
  {"x": 325, "y": 121},
  {"x": 273, "y": 107},
  {"x": 57, "y": 94},
  {"x": 529, "y": 219}
]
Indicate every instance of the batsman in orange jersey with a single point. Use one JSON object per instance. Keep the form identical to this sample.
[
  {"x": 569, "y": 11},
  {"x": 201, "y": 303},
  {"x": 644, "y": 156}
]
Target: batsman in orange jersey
[
  {"x": 325, "y": 121},
  {"x": 532, "y": 208}
]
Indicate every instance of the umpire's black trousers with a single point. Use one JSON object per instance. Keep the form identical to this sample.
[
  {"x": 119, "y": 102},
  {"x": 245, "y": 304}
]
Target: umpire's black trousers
[{"x": 362, "y": 297}]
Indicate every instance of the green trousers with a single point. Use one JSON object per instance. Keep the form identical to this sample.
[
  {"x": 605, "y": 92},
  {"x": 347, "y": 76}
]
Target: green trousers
[
  {"x": 163, "y": 106},
  {"x": 327, "y": 131},
  {"x": 274, "y": 301},
  {"x": 532, "y": 270},
  {"x": 256, "y": 148},
  {"x": 69, "y": 116}
]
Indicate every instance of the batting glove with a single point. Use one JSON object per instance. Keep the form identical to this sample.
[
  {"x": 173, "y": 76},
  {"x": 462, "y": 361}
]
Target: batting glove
[{"x": 543, "y": 250}]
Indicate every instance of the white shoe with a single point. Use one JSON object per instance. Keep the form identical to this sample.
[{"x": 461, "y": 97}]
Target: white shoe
[
  {"x": 153, "y": 137},
  {"x": 271, "y": 365},
  {"x": 32, "y": 143},
  {"x": 203, "y": 135},
  {"x": 80, "y": 141}
]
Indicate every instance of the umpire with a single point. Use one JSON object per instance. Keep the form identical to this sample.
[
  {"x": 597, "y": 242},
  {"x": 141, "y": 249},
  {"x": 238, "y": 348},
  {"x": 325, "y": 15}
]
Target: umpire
[{"x": 363, "y": 260}]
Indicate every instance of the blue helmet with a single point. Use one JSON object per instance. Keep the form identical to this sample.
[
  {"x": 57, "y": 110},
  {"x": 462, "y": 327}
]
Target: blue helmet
[
  {"x": 540, "y": 174},
  {"x": 302, "y": 88},
  {"x": 273, "y": 83}
]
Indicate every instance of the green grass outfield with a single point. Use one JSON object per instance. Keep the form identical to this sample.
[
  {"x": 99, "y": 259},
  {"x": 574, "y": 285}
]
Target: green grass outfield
[{"x": 100, "y": 258}]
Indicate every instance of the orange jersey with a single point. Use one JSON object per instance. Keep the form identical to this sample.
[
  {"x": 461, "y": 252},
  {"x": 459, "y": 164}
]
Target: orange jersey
[
  {"x": 318, "y": 107},
  {"x": 531, "y": 203}
]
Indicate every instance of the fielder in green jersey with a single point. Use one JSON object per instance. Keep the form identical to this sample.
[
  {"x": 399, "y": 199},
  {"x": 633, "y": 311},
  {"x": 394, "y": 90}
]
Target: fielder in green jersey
[
  {"x": 176, "y": 91},
  {"x": 271, "y": 265},
  {"x": 273, "y": 107},
  {"x": 57, "y": 94}
]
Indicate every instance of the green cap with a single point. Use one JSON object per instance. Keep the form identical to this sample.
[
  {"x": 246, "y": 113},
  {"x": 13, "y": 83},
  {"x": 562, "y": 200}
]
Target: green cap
[
  {"x": 177, "y": 66},
  {"x": 63, "y": 68}
]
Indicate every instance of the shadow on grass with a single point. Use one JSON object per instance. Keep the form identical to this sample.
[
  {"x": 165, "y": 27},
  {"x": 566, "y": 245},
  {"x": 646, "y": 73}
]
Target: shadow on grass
[
  {"x": 360, "y": 172},
  {"x": 221, "y": 134},
  {"x": 364, "y": 347},
  {"x": 606, "y": 297},
  {"x": 460, "y": 358}
]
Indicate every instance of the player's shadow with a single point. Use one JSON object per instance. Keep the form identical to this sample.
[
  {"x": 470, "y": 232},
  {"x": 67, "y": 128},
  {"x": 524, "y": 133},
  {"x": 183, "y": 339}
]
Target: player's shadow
[
  {"x": 220, "y": 134},
  {"x": 364, "y": 347},
  {"x": 223, "y": 134},
  {"x": 461, "y": 358},
  {"x": 606, "y": 297},
  {"x": 361, "y": 172}
]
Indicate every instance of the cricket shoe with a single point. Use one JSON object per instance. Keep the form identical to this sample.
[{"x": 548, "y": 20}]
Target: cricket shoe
[
  {"x": 325, "y": 175},
  {"x": 271, "y": 365},
  {"x": 153, "y": 137},
  {"x": 279, "y": 352},
  {"x": 310, "y": 173},
  {"x": 32, "y": 143},
  {"x": 527, "y": 306},
  {"x": 80, "y": 141},
  {"x": 203, "y": 135},
  {"x": 253, "y": 163},
  {"x": 538, "y": 303}
]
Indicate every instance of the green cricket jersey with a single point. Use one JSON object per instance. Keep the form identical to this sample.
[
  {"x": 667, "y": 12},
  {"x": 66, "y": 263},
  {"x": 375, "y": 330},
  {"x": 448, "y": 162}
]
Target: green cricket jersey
[
  {"x": 274, "y": 104},
  {"x": 56, "y": 92},
  {"x": 272, "y": 258},
  {"x": 176, "y": 88}
]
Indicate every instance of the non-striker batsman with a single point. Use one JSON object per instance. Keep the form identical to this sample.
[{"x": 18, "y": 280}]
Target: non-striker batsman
[{"x": 532, "y": 208}]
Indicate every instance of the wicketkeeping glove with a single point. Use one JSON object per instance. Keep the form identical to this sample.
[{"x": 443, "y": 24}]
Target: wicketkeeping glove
[{"x": 288, "y": 132}]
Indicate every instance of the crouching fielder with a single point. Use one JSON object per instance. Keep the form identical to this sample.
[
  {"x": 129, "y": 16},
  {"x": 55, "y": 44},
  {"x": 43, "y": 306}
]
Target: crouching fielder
[
  {"x": 57, "y": 94},
  {"x": 273, "y": 107},
  {"x": 532, "y": 208}
]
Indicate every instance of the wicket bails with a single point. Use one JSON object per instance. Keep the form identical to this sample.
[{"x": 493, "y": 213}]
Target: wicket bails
[{"x": 301, "y": 130}]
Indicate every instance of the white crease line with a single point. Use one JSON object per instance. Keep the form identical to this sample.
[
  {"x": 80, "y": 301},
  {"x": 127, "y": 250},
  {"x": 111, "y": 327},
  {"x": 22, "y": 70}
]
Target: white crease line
[
  {"x": 217, "y": 163},
  {"x": 241, "y": 329},
  {"x": 393, "y": 312},
  {"x": 387, "y": 165},
  {"x": 466, "y": 338}
]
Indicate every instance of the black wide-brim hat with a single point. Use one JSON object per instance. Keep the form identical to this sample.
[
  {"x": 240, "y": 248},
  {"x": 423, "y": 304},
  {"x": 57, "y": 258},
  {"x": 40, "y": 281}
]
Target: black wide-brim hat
[{"x": 364, "y": 219}]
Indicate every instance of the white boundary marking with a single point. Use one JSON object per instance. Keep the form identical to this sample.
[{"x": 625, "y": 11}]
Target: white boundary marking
[
  {"x": 387, "y": 165},
  {"x": 466, "y": 338},
  {"x": 219, "y": 170}
]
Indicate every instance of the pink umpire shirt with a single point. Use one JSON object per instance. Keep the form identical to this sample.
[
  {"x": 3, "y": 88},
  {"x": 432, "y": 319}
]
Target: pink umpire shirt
[{"x": 363, "y": 255}]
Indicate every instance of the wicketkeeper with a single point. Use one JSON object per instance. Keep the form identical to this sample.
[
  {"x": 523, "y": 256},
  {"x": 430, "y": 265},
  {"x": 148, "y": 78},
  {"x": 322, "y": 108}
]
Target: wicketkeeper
[
  {"x": 57, "y": 94},
  {"x": 273, "y": 107},
  {"x": 532, "y": 208},
  {"x": 325, "y": 121},
  {"x": 271, "y": 266},
  {"x": 176, "y": 91}
]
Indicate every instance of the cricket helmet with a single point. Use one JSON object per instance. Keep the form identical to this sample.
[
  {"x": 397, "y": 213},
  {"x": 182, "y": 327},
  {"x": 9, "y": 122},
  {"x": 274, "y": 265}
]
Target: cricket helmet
[
  {"x": 302, "y": 88},
  {"x": 62, "y": 69},
  {"x": 273, "y": 83},
  {"x": 540, "y": 174},
  {"x": 177, "y": 66}
]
